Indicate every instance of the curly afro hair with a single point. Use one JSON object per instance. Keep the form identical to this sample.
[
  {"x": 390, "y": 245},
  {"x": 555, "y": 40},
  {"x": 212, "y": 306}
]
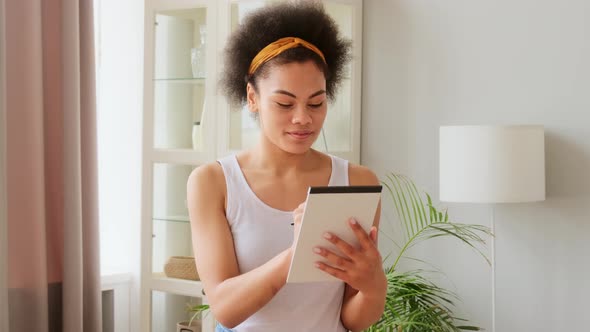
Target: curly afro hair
[{"x": 304, "y": 19}]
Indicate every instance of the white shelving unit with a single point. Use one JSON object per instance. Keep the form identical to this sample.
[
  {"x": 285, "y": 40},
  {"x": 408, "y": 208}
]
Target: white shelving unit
[{"x": 174, "y": 100}]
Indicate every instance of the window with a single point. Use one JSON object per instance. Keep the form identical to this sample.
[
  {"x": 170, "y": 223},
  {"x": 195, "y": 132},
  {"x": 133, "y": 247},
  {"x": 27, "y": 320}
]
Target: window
[{"x": 119, "y": 46}]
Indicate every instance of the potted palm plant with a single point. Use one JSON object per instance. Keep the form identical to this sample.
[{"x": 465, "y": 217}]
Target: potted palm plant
[
  {"x": 193, "y": 324},
  {"x": 414, "y": 303}
]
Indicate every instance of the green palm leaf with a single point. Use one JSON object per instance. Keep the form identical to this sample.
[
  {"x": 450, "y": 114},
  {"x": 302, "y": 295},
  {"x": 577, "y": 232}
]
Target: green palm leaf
[
  {"x": 197, "y": 310},
  {"x": 416, "y": 304},
  {"x": 419, "y": 226},
  {"x": 413, "y": 303}
]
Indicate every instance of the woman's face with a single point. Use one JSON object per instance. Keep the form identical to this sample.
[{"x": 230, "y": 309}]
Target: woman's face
[{"x": 291, "y": 105}]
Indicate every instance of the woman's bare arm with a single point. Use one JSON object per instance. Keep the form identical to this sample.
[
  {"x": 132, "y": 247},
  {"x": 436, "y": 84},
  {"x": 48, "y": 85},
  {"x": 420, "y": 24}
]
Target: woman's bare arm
[{"x": 232, "y": 297}]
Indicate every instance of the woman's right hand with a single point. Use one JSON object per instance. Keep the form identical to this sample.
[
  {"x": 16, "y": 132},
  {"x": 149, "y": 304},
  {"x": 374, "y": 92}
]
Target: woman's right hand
[{"x": 297, "y": 217}]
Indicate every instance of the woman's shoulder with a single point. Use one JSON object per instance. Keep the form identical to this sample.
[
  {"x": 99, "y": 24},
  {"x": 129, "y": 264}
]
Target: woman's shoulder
[
  {"x": 359, "y": 175},
  {"x": 208, "y": 177}
]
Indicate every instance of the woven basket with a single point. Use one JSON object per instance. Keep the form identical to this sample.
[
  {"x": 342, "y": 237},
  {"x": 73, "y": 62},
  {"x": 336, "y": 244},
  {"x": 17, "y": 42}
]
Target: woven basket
[{"x": 181, "y": 267}]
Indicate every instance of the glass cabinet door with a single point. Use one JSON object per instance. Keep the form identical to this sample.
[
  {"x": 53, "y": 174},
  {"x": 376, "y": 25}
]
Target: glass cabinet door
[
  {"x": 168, "y": 310},
  {"x": 180, "y": 79},
  {"x": 341, "y": 127},
  {"x": 337, "y": 133},
  {"x": 174, "y": 283},
  {"x": 171, "y": 234}
]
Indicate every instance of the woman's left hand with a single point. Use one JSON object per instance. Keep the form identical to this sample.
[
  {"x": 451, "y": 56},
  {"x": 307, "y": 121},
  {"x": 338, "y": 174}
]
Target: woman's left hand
[{"x": 361, "y": 267}]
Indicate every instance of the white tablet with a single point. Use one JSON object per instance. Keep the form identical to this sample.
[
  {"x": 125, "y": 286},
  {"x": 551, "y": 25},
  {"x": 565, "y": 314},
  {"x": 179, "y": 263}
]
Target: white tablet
[{"x": 328, "y": 209}]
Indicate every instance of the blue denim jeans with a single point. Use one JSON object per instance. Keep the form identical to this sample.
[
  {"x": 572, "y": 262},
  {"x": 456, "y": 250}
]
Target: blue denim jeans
[{"x": 221, "y": 328}]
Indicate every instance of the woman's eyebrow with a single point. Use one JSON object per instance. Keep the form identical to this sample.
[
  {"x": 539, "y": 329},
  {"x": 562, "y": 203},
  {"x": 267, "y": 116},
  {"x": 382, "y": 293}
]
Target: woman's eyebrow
[
  {"x": 317, "y": 93},
  {"x": 285, "y": 93}
]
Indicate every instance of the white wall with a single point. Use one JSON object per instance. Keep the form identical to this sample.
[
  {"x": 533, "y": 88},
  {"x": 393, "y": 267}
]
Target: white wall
[{"x": 429, "y": 63}]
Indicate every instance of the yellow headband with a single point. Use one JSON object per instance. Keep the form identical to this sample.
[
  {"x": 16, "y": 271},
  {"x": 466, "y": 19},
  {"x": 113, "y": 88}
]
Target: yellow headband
[{"x": 275, "y": 48}]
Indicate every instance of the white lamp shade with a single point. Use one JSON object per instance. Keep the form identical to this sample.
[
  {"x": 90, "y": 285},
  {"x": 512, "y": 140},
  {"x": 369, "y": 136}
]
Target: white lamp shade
[{"x": 492, "y": 164}]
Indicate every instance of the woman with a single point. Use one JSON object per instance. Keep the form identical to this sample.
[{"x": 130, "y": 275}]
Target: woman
[{"x": 284, "y": 61}]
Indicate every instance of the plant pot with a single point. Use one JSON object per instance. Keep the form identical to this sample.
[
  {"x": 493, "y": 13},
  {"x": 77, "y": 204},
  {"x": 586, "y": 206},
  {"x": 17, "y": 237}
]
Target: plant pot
[{"x": 184, "y": 327}]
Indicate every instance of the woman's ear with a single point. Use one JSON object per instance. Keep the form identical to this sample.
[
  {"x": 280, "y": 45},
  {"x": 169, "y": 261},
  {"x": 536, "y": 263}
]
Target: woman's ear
[{"x": 252, "y": 98}]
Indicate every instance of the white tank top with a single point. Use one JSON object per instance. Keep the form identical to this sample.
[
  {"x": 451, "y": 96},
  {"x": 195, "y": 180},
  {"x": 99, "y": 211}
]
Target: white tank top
[{"x": 260, "y": 232}]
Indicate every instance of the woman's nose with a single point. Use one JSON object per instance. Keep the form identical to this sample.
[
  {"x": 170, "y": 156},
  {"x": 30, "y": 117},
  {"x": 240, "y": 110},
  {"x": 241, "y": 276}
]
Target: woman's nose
[{"x": 301, "y": 116}]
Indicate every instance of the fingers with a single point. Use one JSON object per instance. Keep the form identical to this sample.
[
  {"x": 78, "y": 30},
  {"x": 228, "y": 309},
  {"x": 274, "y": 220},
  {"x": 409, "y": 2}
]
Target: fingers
[
  {"x": 344, "y": 247},
  {"x": 354, "y": 266},
  {"x": 364, "y": 239},
  {"x": 367, "y": 243},
  {"x": 340, "y": 274},
  {"x": 298, "y": 213},
  {"x": 300, "y": 208},
  {"x": 334, "y": 260},
  {"x": 373, "y": 234},
  {"x": 297, "y": 216}
]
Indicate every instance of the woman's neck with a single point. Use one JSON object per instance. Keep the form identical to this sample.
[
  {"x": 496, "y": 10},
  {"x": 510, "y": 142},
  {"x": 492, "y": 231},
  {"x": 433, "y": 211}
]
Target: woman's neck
[{"x": 279, "y": 162}]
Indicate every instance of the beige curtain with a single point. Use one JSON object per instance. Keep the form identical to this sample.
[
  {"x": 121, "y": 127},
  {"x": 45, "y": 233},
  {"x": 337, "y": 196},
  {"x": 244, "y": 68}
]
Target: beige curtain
[
  {"x": 52, "y": 277},
  {"x": 3, "y": 238}
]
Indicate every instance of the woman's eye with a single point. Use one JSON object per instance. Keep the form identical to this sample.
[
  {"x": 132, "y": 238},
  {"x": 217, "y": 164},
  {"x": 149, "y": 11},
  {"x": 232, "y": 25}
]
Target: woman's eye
[
  {"x": 318, "y": 105},
  {"x": 284, "y": 105}
]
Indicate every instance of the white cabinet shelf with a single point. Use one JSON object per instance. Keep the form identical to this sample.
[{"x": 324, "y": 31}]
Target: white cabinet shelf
[
  {"x": 182, "y": 219},
  {"x": 162, "y": 283}
]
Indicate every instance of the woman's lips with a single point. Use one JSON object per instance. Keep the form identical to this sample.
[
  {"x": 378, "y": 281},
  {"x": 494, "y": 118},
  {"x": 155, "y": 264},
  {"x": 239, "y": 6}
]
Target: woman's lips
[{"x": 300, "y": 135}]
